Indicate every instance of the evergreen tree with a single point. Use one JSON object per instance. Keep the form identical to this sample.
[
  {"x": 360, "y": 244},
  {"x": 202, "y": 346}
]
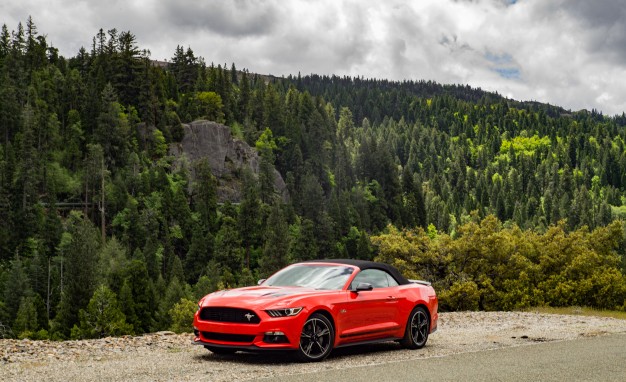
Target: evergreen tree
[
  {"x": 16, "y": 288},
  {"x": 80, "y": 252},
  {"x": 103, "y": 317},
  {"x": 276, "y": 246},
  {"x": 266, "y": 146},
  {"x": 127, "y": 306},
  {"x": 228, "y": 251},
  {"x": 200, "y": 252},
  {"x": 204, "y": 195},
  {"x": 174, "y": 292},
  {"x": 249, "y": 218},
  {"x": 141, "y": 296},
  {"x": 26, "y": 322},
  {"x": 112, "y": 132},
  {"x": 303, "y": 245},
  {"x": 203, "y": 287},
  {"x": 27, "y": 176}
]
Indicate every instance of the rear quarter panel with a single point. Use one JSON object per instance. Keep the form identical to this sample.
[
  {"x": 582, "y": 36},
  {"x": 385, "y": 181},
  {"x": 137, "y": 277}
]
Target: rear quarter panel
[{"x": 414, "y": 294}]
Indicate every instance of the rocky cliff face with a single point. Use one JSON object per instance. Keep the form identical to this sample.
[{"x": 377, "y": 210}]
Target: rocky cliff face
[{"x": 225, "y": 154}]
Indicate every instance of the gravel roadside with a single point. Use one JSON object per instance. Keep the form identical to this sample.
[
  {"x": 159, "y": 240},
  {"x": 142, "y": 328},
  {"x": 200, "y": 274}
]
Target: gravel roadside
[{"x": 167, "y": 356}]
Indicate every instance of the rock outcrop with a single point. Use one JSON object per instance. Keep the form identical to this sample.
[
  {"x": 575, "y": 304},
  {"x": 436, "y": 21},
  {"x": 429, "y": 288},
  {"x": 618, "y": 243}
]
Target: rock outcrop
[{"x": 226, "y": 156}]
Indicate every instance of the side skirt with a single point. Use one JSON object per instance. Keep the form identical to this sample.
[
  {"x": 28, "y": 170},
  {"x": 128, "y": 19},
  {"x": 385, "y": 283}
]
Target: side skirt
[{"x": 386, "y": 339}]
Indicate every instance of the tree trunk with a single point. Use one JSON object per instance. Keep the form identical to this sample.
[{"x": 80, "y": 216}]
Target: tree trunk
[
  {"x": 48, "y": 292},
  {"x": 102, "y": 214}
]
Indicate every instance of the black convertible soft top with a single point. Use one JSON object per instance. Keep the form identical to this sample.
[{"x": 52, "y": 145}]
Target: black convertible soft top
[{"x": 364, "y": 264}]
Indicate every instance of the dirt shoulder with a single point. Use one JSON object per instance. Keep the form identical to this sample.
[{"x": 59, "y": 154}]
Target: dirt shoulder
[{"x": 167, "y": 356}]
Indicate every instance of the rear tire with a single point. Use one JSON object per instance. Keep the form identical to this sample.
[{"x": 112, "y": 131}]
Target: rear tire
[
  {"x": 317, "y": 339},
  {"x": 220, "y": 351},
  {"x": 417, "y": 329}
]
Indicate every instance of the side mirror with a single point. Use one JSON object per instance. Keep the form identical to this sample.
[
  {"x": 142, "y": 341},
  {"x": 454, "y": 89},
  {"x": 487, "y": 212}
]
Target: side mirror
[
  {"x": 260, "y": 281},
  {"x": 364, "y": 287}
]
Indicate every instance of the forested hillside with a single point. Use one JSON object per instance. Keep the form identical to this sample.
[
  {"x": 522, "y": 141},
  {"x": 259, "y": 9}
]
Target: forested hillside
[{"x": 102, "y": 234}]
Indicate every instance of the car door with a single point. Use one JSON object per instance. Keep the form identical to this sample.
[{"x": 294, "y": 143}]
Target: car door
[{"x": 370, "y": 314}]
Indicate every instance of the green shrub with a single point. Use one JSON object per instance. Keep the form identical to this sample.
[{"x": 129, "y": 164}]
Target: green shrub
[
  {"x": 462, "y": 295},
  {"x": 181, "y": 315}
]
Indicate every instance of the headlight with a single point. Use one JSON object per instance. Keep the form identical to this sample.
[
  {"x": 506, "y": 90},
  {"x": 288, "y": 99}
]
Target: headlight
[{"x": 287, "y": 312}]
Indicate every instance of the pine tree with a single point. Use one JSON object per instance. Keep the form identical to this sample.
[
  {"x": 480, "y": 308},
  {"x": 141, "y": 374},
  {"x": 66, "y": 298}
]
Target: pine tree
[
  {"x": 204, "y": 195},
  {"x": 143, "y": 297},
  {"x": 112, "y": 131},
  {"x": 203, "y": 287},
  {"x": 26, "y": 323},
  {"x": 276, "y": 246},
  {"x": 228, "y": 251},
  {"x": 27, "y": 175},
  {"x": 200, "y": 252},
  {"x": 81, "y": 254},
  {"x": 312, "y": 200},
  {"x": 174, "y": 292},
  {"x": 175, "y": 268},
  {"x": 103, "y": 317},
  {"x": 249, "y": 218},
  {"x": 112, "y": 264},
  {"x": 243, "y": 104},
  {"x": 266, "y": 145},
  {"x": 127, "y": 306},
  {"x": 16, "y": 288},
  {"x": 303, "y": 246}
]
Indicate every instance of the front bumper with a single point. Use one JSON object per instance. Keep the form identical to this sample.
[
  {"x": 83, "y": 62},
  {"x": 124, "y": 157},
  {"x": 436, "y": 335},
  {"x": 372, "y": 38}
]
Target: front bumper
[{"x": 271, "y": 333}]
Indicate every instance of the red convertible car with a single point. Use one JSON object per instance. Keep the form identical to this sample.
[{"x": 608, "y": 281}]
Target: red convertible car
[{"x": 313, "y": 307}]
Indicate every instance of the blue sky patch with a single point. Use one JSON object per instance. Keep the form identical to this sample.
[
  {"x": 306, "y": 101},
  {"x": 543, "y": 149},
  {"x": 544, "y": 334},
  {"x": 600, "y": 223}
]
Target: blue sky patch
[
  {"x": 508, "y": 73},
  {"x": 504, "y": 65},
  {"x": 499, "y": 59}
]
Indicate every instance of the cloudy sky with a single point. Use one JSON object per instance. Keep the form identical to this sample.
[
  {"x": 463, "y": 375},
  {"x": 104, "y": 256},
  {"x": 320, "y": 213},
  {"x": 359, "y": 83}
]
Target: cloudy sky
[{"x": 570, "y": 53}]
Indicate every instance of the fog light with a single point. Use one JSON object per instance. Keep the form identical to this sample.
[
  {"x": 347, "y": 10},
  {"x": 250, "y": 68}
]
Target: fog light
[
  {"x": 275, "y": 338},
  {"x": 196, "y": 332}
]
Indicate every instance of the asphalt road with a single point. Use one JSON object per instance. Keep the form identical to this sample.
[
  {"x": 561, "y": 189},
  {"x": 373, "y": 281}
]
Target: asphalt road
[{"x": 600, "y": 358}]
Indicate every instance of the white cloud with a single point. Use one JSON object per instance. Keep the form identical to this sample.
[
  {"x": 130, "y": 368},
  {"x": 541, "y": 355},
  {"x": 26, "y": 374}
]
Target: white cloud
[{"x": 570, "y": 53}]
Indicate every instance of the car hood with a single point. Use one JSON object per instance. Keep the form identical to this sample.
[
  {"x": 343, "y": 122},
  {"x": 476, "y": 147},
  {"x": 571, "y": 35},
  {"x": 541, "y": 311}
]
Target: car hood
[{"x": 260, "y": 296}]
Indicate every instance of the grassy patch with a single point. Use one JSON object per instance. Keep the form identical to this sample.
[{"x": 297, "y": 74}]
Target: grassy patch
[{"x": 579, "y": 311}]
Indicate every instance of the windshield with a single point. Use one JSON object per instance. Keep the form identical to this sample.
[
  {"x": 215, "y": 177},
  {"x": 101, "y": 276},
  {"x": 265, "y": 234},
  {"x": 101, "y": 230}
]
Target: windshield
[{"x": 312, "y": 276}]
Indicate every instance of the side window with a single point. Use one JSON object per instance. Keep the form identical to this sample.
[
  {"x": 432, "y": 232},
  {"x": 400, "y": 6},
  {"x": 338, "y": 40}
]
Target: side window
[
  {"x": 391, "y": 280},
  {"x": 378, "y": 278}
]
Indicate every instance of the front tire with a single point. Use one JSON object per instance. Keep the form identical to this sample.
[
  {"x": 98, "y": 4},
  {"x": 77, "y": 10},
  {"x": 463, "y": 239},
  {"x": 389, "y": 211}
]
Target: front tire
[
  {"x": 417, "y": 329},
  {"x": 317, "y": 339}
]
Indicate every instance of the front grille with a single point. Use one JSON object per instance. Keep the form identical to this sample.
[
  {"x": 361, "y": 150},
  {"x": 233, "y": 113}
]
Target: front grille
[
  {"x": 242, "y": 316},
  {"x": 228, "y": 337}
]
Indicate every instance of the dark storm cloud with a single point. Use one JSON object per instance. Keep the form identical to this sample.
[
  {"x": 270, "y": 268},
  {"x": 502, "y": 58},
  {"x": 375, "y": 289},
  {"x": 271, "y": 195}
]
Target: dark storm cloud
[
  {"x": 606, "y": 20},
  {"x": 598, "y": 13},
  {"x": 603, "y": 23},
  {"x": 331, "y": 42},
  {"x": 452, "y": 43},
  {"x": 238, "y": 18}
]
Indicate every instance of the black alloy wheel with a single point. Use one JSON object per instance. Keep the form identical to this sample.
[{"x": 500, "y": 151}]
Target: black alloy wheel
[
  {"x": 417, "y": 329},
  {"x": 316, "y": 339}
]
